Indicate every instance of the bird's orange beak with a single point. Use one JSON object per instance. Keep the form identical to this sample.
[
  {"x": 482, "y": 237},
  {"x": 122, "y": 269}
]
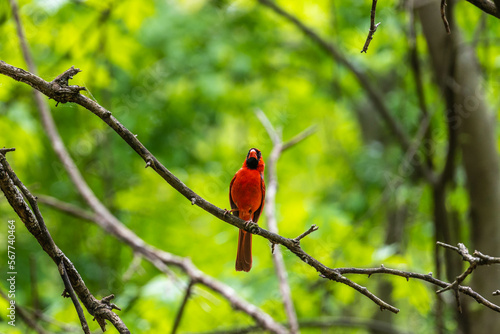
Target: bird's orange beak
[{"x": 253, "y": 154}]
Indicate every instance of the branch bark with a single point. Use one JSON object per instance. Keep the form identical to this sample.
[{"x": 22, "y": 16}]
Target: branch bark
[
  {"x": 373, "y": 27},
  {"x": 178, "y": 317},
  {"x": 488, "y": 6},
  {"x": 14, "y": 190}
]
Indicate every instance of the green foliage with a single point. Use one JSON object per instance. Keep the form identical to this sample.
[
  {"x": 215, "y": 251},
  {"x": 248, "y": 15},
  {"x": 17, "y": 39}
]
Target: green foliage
[{"x": 185, "y": 76}]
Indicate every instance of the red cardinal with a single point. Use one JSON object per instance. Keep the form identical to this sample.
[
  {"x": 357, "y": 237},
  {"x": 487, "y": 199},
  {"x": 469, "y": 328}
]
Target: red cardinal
[{"x": 246, "y": 194}]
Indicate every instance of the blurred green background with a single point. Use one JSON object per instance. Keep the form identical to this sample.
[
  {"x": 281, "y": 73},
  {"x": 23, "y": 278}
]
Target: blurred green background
[{"x": 186, "y": 77}]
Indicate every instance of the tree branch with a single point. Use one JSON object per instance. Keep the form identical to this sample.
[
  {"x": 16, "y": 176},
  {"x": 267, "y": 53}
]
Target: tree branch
[
  {"x": 373, "y": 27},
  {"x": 178, "y": 317},
  {"x": 127, "y": 236},
  {"x": 443, "y": 16},
  {"x": 62, "y": 92},
  {"x": 477, "y": 259},
  {"x": 306, "y": 233},
  {"x": 33, "y": 221},
  {"x": 270, "y": 211},
  {"x": 162, "y": 259},
  {"x": 69, "y": 292},
  {"x": 112, "y": 225},
  {"x": 488, "y": 6}
]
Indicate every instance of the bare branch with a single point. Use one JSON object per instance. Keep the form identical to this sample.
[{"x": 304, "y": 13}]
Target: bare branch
[
  {"x": 266, "y": 123},
  {"x": 428, "y": 278},
  {"x": 69, "y": 292},
  {"x": 117, "y": 229},
  {"x": 443, "y": 16},
  {"x": 373, "y": 27},
  {"x": 477, "y": 259},
  {"x": 66, "y": 207},
  {"x": 178, "y": 317},
  {"x": 4, "y": 150},
  {"x": 300, "y": 137},
  {"x": 33, "y": 221},
  {"x": 306, "y": 233},
  {"x": 487, "y": 6},
  {"x": 161, "y": 260},
  {"x": 486, "y": 259}
]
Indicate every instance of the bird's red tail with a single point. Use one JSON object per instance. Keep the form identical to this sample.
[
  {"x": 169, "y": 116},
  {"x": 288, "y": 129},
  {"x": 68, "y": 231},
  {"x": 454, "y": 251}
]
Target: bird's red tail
[{"x": 244, "y": 254}]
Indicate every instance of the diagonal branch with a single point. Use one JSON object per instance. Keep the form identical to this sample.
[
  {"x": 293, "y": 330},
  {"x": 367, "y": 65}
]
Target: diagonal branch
[
  {"x": 178, "y": 317},
  {"x": 162, "y": 259},
  {"x": 127, "y": 236},
  {"x": 373, "y": 27},
  {"x": 113, "y": 226},
  {"x": 488, "y": 6},
  {"x": 427, "y": 278},
  {"x": 14, "y": 191},
  {"x": 69, "y": 292}
]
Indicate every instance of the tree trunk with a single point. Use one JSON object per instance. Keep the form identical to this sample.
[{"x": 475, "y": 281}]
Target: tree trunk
[{"x": 477, "y": 143}]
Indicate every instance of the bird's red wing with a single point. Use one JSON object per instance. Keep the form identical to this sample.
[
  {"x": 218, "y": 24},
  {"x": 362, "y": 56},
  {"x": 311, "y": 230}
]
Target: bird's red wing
[
  {"x": 257, "y": 212},
  {"x": 233, "y": 205}
]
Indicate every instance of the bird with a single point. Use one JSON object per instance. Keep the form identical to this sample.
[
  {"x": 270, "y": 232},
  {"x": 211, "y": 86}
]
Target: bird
[{"x": 247, "y": 192}]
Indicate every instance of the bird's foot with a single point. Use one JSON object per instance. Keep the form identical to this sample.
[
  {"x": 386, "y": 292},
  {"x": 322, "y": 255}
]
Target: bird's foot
[
  {"x": 226, "y": 211},
  {"x": 250, "y": 222}
]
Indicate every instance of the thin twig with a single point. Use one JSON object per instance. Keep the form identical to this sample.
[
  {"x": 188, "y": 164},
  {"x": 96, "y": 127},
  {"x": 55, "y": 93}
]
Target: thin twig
[
  {"x": 475, "y": 260},
  {"x": 187, "y": 295},
  {"x": 69, "y": 292},
  {"x": 373, "y": 27},
  {"x": 443, "y": 16},
  {"x": 300, "y": 137},
  {"x": 4, "y": 150},
  {"x": 306, "y": 233}
]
